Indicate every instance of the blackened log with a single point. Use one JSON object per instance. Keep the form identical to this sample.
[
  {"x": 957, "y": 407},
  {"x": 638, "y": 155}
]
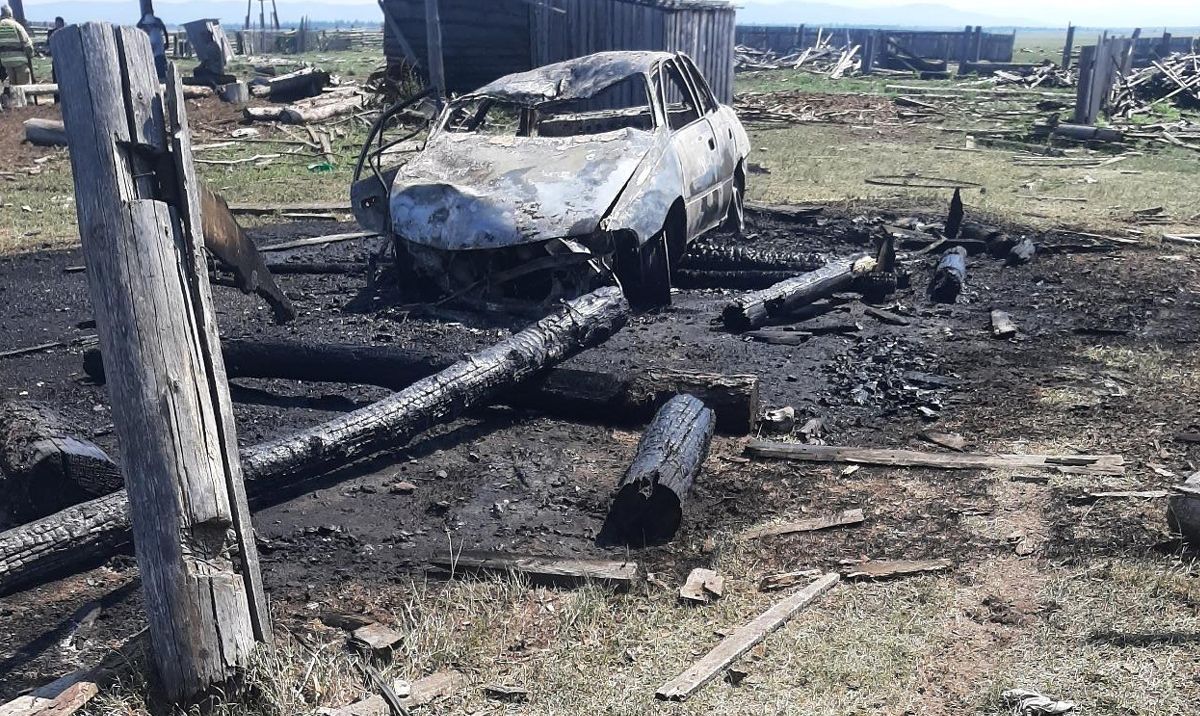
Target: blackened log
[
  {"x": 45, "y": 463},
  {"x": 305, "y": 82},
  {"x": 1022, "y": 252},
  {"x": 707, "y": 257},
  {"x": 949, "y": 276},
  {"x": 648, "y": 505},
  {"x": 755, "y": 309},
  {"x": 743, "y": 280},
  {"x": 586, "y": 394},
  {"x": 89, "y": 532}
]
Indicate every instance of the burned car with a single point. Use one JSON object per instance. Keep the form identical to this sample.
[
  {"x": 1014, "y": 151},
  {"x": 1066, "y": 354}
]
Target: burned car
[{"x": 545, "y": 183}]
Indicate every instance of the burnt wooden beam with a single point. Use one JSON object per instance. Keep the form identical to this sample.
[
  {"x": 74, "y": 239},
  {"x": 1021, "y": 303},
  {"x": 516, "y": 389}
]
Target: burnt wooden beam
[
  {"x": 586, "y": 394},
  {"x": 647, "y": 507},
  {"x": 755, "y": 309}
]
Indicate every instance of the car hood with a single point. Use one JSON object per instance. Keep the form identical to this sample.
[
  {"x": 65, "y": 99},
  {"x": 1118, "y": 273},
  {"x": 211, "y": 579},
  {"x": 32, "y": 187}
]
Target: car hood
[{"x": 467, "y": 191}]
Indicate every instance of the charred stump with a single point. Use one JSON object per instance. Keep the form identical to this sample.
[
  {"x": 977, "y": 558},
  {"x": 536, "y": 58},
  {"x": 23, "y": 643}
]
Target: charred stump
[
  {"x": 949, "y": 276},
  {"x": 647, "y": 508}
]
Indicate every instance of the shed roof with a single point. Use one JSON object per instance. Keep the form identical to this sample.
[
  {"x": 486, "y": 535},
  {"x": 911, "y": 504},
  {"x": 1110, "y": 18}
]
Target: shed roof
[{"x": 572, "y": 79}]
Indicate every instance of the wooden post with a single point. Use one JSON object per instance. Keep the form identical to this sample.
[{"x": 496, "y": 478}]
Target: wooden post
[
  {"x": 870, "y": 43},
  {"x": 1068, "y": 47},
  {"x": 18, "y": 9},
  {"x": 1127, "y": 59},
  {"x": 964, "y": 50},
  {"x": 139, "y": 219},
  {"x": 977, "y": 43},
  {"x": 1087, "y": 63},
  {"x": 433, "y": 38}
]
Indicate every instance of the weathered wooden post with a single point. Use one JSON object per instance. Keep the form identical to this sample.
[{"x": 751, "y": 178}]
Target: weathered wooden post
[
  {"x": 1068, "y": 47},
  {"x": 433, "y": 39},
  {"x": 139, "y": 221}
]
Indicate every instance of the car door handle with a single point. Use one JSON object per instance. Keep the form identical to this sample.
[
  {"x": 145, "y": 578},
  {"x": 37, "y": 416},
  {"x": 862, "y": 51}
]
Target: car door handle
[{"x": 712, "y": 143}]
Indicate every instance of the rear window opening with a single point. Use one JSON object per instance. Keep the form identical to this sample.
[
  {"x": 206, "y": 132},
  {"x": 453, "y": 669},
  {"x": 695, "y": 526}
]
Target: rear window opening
[{"x": 623, "y": 105}]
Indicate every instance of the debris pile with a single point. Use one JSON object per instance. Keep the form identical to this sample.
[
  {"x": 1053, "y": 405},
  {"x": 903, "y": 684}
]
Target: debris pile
[
  {"x": 820, "y": 59},
  {"x": 1174, "y": 80},
  {"x": 1046, "y": 74}
]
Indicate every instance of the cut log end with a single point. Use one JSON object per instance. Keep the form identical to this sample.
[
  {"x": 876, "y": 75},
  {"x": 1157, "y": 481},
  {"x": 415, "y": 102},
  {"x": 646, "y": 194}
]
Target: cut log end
[{"x": 648, "y": 506}]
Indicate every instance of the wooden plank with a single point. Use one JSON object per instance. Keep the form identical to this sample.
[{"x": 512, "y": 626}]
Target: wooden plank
[
  {"x": 149, "y": 288},
  {"x": 1079, "y": 464},
  {"x": 742, "y": 640},
  {"x": 318, "y": 241},
  {"x": 811, "y": 524},
  {"x": 1002, "y": 325},
  {"x": 883, "y": 569},
  {"x": 619, "y": 574}
]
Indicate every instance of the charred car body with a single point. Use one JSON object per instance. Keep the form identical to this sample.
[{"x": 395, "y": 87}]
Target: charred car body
[{"x": 563, "y": 177}]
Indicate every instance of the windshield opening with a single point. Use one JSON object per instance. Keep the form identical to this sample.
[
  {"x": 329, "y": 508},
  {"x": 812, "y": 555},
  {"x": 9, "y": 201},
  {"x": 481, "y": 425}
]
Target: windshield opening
[{"x": 623, "y": 105}]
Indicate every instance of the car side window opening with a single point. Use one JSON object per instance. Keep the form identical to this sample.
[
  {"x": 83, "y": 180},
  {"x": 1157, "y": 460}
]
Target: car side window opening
[
  {"x": 700, "y": 85},
  {"x": 677, "y": 98}
]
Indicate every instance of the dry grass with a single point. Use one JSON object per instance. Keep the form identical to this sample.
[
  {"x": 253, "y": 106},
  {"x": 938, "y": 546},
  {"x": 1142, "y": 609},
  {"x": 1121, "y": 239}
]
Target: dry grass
[{"x": 819, "y": 163}]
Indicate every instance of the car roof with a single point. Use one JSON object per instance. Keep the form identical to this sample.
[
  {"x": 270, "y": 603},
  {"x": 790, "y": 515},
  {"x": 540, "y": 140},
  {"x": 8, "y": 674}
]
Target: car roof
[{"x": 578, "y": 78}]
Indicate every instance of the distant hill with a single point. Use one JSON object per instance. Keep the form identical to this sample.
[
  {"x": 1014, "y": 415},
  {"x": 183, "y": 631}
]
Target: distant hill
[
  {"x": 920, "y": 15},
  {"x": 230, "y": 13}
]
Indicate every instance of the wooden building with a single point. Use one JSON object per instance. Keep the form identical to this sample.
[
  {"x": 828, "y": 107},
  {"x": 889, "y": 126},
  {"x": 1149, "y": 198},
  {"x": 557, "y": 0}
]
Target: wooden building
[
  {"x": 485, "y": 40},
  {"x": 931, "y": 45}
]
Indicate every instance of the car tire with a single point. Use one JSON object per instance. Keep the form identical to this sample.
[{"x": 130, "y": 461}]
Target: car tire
[
  {"x": 652, "y": 286},
  {"x": 735, "y": 220}
]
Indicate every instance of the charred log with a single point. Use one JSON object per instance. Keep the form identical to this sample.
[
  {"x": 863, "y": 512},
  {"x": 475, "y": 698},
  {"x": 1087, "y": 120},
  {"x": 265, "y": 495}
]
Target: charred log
[
  {"x": 88, "y": 532},
  {"x": 585, "y": 394},
  {"x": 706, "y": 257},
  {"x": 745, "y": 280},
  {"x": 648, "y": 505},
  {"x": 46, "y": 465},
  {"x": 755, "y": 309},
  {"x": 949, "y": 276}
]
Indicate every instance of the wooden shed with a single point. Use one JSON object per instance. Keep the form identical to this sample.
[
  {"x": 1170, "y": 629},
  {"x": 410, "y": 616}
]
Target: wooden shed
[{"x": 485, "y": 40}]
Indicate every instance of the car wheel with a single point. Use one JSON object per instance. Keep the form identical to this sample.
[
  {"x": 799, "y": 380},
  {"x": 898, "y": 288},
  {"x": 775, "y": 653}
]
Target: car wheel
[
  {"x": 735, "y": 221},
  {"x": 652, "y": 286}
]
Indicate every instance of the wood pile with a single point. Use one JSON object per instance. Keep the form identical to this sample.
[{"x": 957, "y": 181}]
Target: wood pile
[
  {"x": 820, "y": 59},
  {"x": 1174, "y": 80},
  {"x": 1047, "y": 74}
]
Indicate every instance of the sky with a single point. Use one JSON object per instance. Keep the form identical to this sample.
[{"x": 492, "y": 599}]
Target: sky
[
  {"x": 1116, "y": 13},
  {"x": 1049, "y": 13}
]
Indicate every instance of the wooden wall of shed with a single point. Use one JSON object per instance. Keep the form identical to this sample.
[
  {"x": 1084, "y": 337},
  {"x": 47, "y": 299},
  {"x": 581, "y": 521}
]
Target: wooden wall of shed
[
  {"x": 573, "y": 28},
  {"x": 483, "y": 41},
  {"x": 480, "y": 40}
]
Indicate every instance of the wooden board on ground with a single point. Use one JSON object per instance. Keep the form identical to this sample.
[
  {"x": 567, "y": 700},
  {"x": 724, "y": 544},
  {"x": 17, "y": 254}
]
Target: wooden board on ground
[
  {"x": 742, "y": 640},
  {"x": 811, "y": 524},
  {"x": 884, "y": 568},
  {"x": 1076, "y": 464},
  {"x": 702, "y": 586},
  {"x": 544, "y": 570},
  {"x": 783, "y": 580}
]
